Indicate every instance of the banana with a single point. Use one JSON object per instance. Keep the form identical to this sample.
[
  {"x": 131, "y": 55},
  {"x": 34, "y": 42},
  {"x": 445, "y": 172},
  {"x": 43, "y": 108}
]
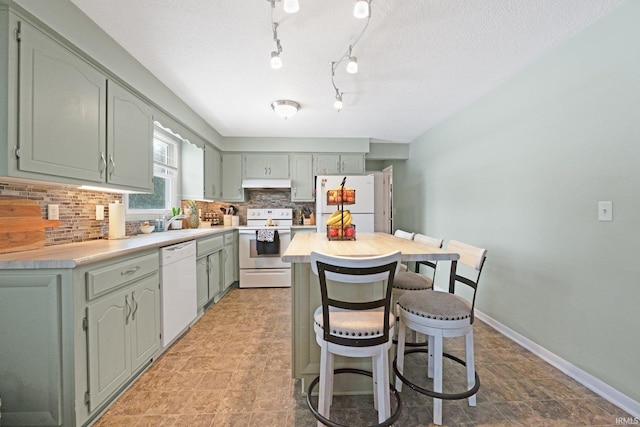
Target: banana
[
  {"x": 335, "y": 220},
  {"x": 334, "y": 216}
]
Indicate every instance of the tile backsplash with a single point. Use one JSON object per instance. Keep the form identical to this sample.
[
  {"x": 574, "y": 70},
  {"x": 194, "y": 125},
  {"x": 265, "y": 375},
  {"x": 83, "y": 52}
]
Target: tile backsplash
[{"x": 78, "y": 207}]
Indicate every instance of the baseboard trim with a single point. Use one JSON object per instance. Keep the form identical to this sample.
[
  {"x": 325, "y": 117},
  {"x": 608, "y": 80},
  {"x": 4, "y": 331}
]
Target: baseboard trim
[{"x": 592, "y": 383}]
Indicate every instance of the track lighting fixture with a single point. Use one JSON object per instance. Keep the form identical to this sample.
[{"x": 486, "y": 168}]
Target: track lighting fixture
[
  {"x": 361, "y": 9},
  {"x": 276, "y": 61},
  {"x": 338, "y": 103},
  {"x": 291, "y": 6}
]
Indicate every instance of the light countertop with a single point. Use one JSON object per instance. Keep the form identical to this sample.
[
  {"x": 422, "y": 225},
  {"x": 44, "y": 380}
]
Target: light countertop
[
  {"x": 366, "y": 244},
  {"x": 75, "y": 254}
]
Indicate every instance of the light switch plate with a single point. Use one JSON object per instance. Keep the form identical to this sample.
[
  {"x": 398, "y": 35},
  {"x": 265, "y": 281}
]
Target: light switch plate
[
  {"x": 605, "y": 211},
  {"x": 99, "y": 212},
  {"x": 53, "y": 211}
]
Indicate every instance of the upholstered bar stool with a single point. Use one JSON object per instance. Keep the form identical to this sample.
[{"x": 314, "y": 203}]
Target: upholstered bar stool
[
  {"x": 442, "y": 315},
  {"x": 362, "y": 328},
  {"x": 407, "y": 281}
]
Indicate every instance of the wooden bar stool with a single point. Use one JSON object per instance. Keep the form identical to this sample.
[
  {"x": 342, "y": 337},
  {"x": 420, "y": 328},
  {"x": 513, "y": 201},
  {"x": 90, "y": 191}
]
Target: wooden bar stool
[
  {"x": 361, "y": 328},
  {"x": 442, "y": 315}
]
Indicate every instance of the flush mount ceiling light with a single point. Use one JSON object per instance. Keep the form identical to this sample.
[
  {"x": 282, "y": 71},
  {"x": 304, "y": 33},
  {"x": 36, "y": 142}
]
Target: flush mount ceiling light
[
  {"x": 361, "y": 9},
  {"x": 285, "y": 108}
]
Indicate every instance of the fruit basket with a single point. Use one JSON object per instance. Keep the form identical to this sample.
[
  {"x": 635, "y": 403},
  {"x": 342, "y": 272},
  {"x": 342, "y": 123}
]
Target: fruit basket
[
  {"x": 338, "y": 232},
  {"x": 341, "y": 196}
]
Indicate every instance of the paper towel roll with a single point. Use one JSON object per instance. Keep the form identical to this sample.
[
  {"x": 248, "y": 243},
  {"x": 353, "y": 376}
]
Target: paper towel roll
[{"x": 116, "y": 220}]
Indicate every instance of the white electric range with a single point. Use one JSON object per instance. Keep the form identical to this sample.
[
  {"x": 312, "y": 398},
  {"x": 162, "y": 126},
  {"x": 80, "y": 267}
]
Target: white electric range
[{"x": 260, "y": 261}]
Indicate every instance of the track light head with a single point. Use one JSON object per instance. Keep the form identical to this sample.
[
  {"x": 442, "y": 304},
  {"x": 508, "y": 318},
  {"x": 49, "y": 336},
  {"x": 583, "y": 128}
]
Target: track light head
[
  {"x": 338, "y": 103},
  {"x": 361, "y": 9},
  {"x": 352, "y": 65},
  {"x": 291, "y": 6},
  {"x": 276, "y": 61}
]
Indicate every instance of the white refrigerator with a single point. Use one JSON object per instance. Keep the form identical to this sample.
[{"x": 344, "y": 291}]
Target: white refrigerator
[{"x": 363, "y": 208}]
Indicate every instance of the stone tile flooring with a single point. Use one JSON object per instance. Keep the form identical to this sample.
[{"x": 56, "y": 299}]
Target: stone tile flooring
[{"x": 233, "y": 369}]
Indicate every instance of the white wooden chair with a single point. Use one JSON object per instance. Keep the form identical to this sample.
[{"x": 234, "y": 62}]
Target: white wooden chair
[
  {"x": 442, "y": 315},
  {"x": 404, "y": 235},
  {"x": 362, "y": 328}
]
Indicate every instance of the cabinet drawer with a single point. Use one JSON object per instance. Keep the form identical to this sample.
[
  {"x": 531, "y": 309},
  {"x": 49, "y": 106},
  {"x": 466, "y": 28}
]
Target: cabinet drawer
[
  {"x": 207, "y": 246},
  {"x": 102, "y": 280},
  {"x": 228, "y": 238}
]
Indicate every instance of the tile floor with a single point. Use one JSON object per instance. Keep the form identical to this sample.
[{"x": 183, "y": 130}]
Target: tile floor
[{"x": 233, "y": 369}]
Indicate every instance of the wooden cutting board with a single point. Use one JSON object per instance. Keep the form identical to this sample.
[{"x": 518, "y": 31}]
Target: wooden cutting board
[{"x": 22, "y": 226}]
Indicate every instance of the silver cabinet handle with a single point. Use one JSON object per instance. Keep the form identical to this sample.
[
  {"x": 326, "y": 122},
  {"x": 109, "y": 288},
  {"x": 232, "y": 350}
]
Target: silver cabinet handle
[
  {"x": 113, "y": 164},
  {"x": 135, "y": 305},
  {"x": 269, "y": 171},
  {"x": 265, "y": 170},
  {"x": 130, "y": 271},
  {"x": 127, "y": 309},
  {"x": 295, "y": 191},
  {"x": 103, "y": 164}
]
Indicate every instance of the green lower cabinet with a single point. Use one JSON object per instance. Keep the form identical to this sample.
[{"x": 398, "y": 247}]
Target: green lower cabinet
[
  {"x": 123, "y": 334},
  {"x": 36, "y": 360},
  {"x": 208, "y": 279}
]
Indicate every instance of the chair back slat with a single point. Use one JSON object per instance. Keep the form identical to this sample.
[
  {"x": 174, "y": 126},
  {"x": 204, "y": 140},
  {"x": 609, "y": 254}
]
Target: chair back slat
[
  {"x": 428, "y": 240},
  {"x": 404, "y": 234},
  {"x": 469, "y": 255}
]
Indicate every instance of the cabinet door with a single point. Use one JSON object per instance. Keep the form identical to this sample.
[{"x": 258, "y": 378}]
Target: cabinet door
[
  {"x": 229, "y": 275},
  {"x": 214, "y": 282},
  {"x": 145, "y": 320},
  {"x": 109, "y": 337},
  {"x": 301, "y": 177},
  {"x": 62, "y": 111},
  {"x": 278, "y": 166},
  {"x": 232, "y": 178},
  {"x": 256, "y": 166},
  {"x": 129, "y": 140},
  {"x": 326, "y": 164},
  {"x": 192, "y": 172},
  {"x": 352, "y": 164},
  {"x": 212, "y": 173},
  {"x": 202, "y": 281}
]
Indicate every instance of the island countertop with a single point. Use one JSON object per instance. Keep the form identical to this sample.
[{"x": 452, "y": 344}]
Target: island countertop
[{"x": 366, "y": 244}]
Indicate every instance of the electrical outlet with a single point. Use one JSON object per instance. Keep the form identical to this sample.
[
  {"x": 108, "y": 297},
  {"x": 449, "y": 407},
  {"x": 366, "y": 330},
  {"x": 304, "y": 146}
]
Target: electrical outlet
[
  {"x": 605, "y": 211},
  {"x": 53, "y": 211}
]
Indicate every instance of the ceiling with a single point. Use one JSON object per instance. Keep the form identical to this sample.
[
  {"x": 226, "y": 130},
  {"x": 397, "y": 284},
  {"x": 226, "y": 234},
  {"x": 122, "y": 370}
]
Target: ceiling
[{"x": 420, "y": 60}]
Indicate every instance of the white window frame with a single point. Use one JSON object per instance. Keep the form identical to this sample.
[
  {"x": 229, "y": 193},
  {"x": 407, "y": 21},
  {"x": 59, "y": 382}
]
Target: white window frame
[{"x": 163, "y": 135}]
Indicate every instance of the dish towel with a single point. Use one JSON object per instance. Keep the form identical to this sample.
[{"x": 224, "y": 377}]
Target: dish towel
[
  {"x": 265, "y": 235},
  {"x": 267, "y": 242}
]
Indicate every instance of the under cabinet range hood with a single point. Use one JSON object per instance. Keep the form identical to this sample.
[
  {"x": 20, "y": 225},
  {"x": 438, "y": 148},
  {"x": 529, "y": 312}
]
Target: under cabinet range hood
[{"x": 266, "y": 183}]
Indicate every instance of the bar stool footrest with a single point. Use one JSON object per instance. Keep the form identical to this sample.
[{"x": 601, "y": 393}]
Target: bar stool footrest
[
  {"x": 431, "y": 393},
  {"x": 389, "y": 421}
]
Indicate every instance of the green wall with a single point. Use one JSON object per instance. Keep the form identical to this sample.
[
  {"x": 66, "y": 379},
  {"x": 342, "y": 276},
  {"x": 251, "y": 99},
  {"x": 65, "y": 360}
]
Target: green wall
[{"x": 520, "y": 173}]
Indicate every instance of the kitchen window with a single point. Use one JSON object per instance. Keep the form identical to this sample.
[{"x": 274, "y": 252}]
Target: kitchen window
[{"x": 166, "y": 161}]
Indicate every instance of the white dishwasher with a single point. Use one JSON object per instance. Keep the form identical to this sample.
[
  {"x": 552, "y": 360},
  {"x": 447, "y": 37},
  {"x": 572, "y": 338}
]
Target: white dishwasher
[{"x": 179, "y": 298}]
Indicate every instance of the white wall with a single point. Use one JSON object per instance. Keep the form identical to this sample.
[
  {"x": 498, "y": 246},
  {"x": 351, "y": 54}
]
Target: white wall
[{"x": 520, "y": 173}]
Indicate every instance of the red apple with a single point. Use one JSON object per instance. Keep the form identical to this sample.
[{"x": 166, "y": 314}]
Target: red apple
[
  {"x": 333, "y": 232},
  {"x": 349, "y": 232}
]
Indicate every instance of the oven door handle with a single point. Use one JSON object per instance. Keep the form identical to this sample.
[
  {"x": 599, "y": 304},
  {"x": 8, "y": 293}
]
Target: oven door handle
[{"x": 253, "y": 232}]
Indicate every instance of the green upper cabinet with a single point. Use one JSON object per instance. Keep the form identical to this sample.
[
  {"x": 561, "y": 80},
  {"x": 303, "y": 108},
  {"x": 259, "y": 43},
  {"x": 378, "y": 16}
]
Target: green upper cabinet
[
  {"x": 74, "y": 124},
  {"x": 129, "y": 140},
  {"x": 302, "y": 178},
  {"x": 191, "y": 171},
  {"x": 212, "y": 173},
  {"x": 260, "y": 165},
  {"x": 352, "y": 164},
  {"x": 335, "y": 164},
  {"x": 232, "y": 177},
  {"x": 62, "y": 111}
]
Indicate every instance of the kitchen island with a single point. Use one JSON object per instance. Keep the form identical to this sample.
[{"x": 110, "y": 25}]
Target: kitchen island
[{"x": 306, "y": 297}]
